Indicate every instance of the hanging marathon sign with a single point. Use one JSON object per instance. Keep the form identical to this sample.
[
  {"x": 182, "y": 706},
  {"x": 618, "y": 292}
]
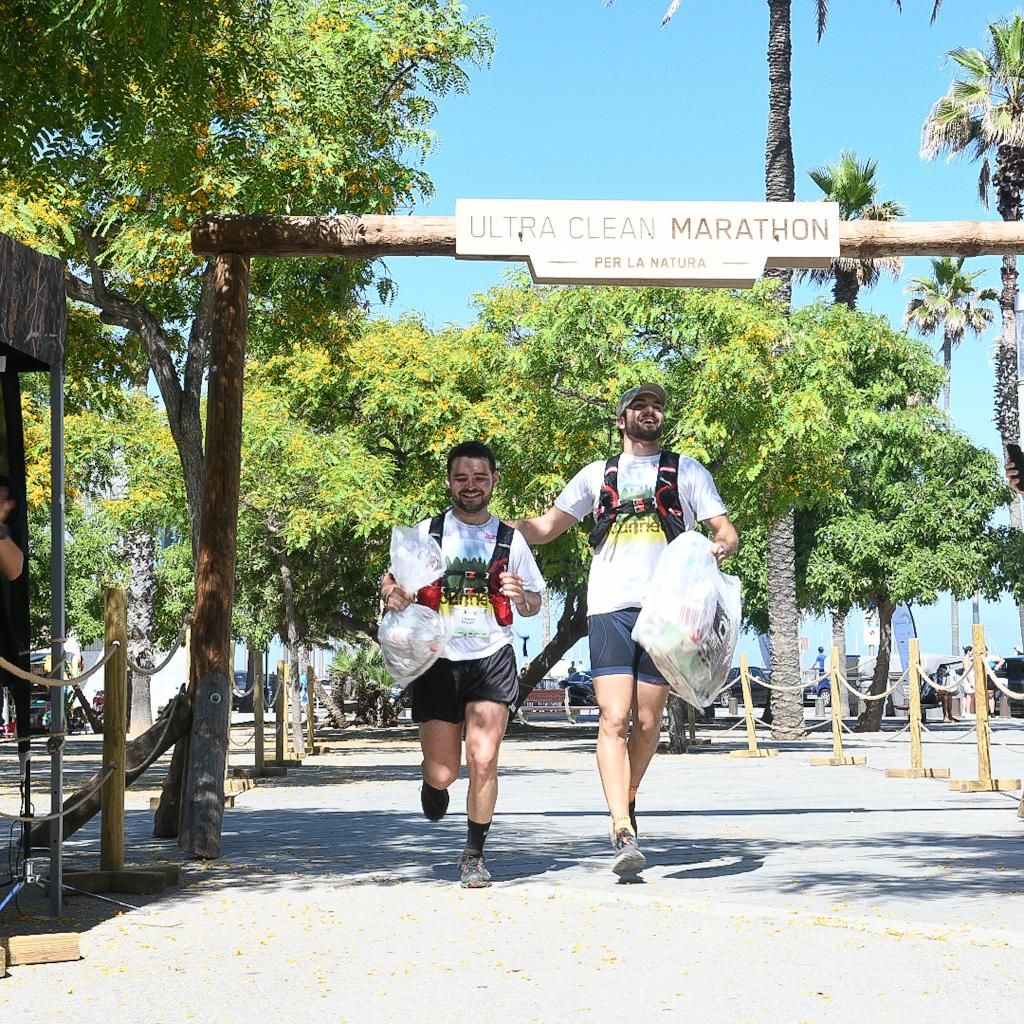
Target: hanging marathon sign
[{"x": 695, "y": 244}]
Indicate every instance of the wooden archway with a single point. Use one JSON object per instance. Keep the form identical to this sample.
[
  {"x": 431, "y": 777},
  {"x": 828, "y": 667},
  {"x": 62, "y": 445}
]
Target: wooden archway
[{"x": 232, "y": 242}]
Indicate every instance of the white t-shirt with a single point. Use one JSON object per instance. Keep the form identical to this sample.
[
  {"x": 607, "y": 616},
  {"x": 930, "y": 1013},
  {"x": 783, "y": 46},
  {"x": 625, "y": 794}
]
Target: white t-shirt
[
  {"x": 472, "y": 629},
  {"x": 624, "y": 561}
]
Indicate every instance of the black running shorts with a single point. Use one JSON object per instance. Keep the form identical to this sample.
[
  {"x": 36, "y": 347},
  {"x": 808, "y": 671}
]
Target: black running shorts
[
  {"x": 444, "y": 690},
  {"x": 614, "y": 652}
]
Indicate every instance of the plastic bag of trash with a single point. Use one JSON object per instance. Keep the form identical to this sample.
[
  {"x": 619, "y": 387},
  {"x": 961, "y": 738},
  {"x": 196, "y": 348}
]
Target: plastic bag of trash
[
  {"x": 689, "y": 621},
  {"x": 412, "y": 640}
]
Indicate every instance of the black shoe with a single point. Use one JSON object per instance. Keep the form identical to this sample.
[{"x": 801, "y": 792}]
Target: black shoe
[
  {"x": 473, "y": 873},
  {"x": 628, "y": 859},
  {"x": 434, "y": 802}
]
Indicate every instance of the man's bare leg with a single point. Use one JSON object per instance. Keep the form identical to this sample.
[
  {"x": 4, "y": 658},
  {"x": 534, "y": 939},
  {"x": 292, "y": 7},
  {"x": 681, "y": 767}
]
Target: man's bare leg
[
  {"x": 615, "y": 699},
  {"x": 485, "y": 726},
  {"x": 648, "y": 709},
  {"x": 441, "y": 743}
]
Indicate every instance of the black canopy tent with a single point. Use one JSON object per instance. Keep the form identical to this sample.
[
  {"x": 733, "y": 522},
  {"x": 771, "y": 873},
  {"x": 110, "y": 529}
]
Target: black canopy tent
[{"x": 33, "y": 331}]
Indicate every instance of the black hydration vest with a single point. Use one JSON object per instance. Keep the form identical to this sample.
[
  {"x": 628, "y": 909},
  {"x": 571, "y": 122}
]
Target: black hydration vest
[
  {"x": 666, "y": 504},
  {"x": 473, "y": 582}
]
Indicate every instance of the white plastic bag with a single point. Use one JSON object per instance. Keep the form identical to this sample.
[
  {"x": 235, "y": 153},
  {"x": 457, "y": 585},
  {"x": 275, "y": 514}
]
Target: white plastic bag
[
  {"x": 690, "y": 619},
  {"x": 416, "y": 561},
  {"x": 412, "y": 640}
]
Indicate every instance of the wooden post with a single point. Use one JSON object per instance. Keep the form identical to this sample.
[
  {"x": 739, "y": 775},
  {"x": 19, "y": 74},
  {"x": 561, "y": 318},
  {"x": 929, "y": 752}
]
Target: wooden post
[
  {"x": 203, "y": 815},
  {"x": 257, "y": 713},
  {"x": 984, "y": 783},
  {"x": 115, "y": 712},
  {"x": 838, "y": 755},
  {"x": 281, "y": 711},
  {"x": 310, "y": 710},
  {"x": 748, "y": 712},
  {"x": 916, "y": 769}
]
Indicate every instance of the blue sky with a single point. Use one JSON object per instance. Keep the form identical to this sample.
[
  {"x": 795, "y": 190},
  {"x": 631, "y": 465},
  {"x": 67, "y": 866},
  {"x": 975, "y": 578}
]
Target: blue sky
[{"x": 593, "y": 102}]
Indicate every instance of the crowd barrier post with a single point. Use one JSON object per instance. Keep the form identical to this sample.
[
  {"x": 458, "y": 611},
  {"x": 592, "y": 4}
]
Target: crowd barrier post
[
  {"x": 839, "y": 756},
  {"x": 115, "y": 722},
  {"x": 281, "y": 711},
  {"x": 748, "y": 711},
  {"x": 984, "y": 783},
  {"x": 311, "y": 709},
  {"x": 916, "y": 769},
  {"x": 259, "y": 754}
]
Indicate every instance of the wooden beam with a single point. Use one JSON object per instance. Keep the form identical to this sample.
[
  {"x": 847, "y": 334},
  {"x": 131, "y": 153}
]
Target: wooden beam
[
  {"x": 372, "y": 236},
  {"x": 203, "y": 814},
  {"x": 41, "y": 949},
  {"x": 33, "y": 311}
]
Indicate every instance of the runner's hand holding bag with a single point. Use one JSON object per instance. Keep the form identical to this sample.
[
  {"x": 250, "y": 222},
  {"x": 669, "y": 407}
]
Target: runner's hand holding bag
[
  {"x": 412, "y": 640},
  {"x": 690, "y": 619}
]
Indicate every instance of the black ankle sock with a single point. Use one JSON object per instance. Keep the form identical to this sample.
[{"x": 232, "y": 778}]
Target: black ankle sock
[{"x": 475, "y": 836}]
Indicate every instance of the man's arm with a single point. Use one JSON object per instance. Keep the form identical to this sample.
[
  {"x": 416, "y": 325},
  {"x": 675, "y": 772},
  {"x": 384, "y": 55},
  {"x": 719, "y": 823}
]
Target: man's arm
[
  {"x": 543, "y": 528},
  {"x": 725, "y": 539}
]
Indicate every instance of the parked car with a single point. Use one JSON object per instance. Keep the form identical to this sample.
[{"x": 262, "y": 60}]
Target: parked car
[{"x": 759, "y": 693}]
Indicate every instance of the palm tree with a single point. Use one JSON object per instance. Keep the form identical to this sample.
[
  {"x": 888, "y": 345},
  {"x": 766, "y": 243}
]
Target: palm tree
[
  {"x": 851, "y": 183},
  {"x": 983, "y": 114},
  {"x": 949, "y": 299}
]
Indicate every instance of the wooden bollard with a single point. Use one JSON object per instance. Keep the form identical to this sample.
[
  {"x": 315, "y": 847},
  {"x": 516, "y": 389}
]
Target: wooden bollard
[
  {"x": 281, "y": 711},
  {"x": 984, "y": 783},
  {"x": 257, "y": 715},
  {"x": 115, "y": 711},
  {"x": 748, "y": 711},
  {"x": 916, "y": 769},
  {"x": 838, "y": 754},
  {"x": 310, "y": 709}
]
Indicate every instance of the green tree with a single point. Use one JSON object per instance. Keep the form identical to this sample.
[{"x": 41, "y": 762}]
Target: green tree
[
  {"x": 851, "y": 183},
  {"x": 301, "y": 110}
]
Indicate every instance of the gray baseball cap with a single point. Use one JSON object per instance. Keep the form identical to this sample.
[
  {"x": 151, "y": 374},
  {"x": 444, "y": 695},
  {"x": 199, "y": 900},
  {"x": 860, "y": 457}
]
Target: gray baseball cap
[{"x": 641, "y": 389}]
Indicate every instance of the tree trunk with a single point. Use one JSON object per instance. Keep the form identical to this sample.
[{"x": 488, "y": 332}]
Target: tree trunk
[
  {"x": 292, "y": 639},
  {"x": 784, "y": 621},
  {"x": 839, "y": 637},
  {"x": 846, "y": 288},
  {"x": 678, "y": 724},
  {"x": 779, "y": 176},
  {"x": 141, "y": 547},
  {"x": 572, "y": 626},
  {"x": 947, "y": 365},
  {"x": 871, "y": 717}
]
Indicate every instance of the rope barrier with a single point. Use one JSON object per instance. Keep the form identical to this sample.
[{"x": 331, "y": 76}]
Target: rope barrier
[
  {"x": 143, "y": 670},
  {"x": 994, "y": 679},
  {"x": 870, "y": 696},
  {"x": 799, "y": 688},
  {"x": 38, "y": 680},
  {"x": 63, "y": 811},
  {"x": 954, "y": 739}
]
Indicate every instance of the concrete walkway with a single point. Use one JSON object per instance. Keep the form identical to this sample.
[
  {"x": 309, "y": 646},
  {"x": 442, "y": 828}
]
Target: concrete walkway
[{"x": 776, "y": 891}]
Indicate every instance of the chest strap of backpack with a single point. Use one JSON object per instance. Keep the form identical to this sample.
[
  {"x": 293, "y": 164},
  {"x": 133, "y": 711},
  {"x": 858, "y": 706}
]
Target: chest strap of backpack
[
  {"x": 666, "y": 503},
  {"x": 473, "y": 582}
]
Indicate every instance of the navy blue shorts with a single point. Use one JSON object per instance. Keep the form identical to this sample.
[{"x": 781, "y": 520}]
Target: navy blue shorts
[
  {"x": 614, "y": 652},
  {"x": 444, "y": 690}
]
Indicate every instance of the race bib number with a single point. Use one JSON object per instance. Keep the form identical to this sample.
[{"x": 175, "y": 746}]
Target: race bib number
[{"x": 469, "y": 622}]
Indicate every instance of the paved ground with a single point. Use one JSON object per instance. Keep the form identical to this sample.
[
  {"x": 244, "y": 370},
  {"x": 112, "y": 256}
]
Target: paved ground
[{"x": 777, "y": 892}]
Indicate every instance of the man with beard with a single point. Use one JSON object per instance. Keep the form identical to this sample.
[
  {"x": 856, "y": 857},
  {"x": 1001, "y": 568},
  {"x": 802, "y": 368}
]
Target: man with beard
[
  {"x": 640, "y": 499},
  {"x": 489, "y": 569}
]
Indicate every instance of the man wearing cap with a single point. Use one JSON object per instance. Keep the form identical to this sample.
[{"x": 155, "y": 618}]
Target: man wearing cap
[{"x": 633, "y": 517}]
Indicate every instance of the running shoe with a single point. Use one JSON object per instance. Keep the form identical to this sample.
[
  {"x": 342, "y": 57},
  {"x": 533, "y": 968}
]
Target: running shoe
[
  {"x": 434, "y": 802},
  {"x": 473, "y": 873},
  {"x": 628, "y": 858}
]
